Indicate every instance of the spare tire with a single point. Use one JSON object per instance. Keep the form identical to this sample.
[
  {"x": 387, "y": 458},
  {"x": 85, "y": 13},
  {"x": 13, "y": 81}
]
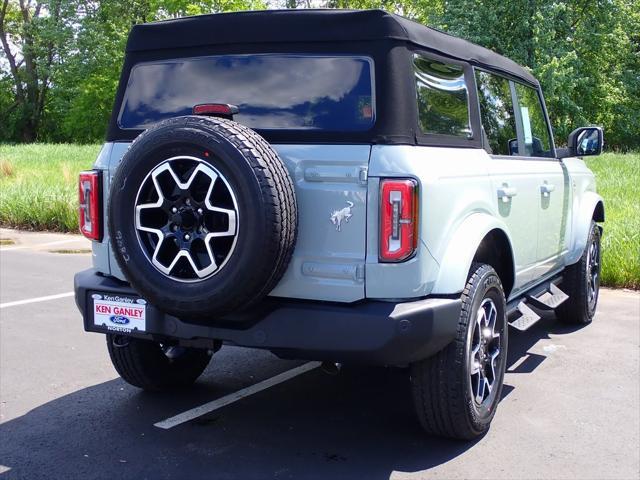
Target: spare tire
[{"x": 202, "y": 216}]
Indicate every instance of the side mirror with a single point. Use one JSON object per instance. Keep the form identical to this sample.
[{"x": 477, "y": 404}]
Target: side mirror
[{"x": 584, "y": 142}]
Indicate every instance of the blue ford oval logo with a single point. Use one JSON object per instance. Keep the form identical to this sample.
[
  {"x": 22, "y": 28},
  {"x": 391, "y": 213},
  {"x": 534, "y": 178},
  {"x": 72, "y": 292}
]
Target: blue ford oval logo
[{"x": 119, "y": 319}]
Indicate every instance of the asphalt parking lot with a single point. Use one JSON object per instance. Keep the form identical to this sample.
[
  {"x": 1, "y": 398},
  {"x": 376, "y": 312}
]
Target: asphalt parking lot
[{"x": 570, "y": 406}]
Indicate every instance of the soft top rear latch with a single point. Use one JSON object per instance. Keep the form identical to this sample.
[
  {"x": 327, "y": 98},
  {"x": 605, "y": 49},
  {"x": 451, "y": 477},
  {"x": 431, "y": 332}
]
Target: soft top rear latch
[{"x": 224, "y": 110}]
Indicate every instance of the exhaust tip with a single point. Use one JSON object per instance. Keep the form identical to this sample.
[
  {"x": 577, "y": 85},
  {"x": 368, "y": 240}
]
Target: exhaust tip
[{"x": 331, "y": 368}]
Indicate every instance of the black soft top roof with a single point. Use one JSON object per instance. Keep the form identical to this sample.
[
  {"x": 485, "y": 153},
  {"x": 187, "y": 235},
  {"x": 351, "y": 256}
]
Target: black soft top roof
[{"x": 302, "y": 26}]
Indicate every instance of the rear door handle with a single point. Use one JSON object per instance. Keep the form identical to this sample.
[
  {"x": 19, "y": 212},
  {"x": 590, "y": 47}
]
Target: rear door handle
[
  {"x": 546, "y": 189},
  {"x": 506, "y": 192}
]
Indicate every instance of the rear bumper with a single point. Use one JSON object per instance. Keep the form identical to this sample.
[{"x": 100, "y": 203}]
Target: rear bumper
[{"x": 384, "y": 333}]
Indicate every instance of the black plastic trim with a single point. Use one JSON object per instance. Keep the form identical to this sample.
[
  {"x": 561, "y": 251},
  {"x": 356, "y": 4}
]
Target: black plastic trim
[{"x": 372, "y": 332}]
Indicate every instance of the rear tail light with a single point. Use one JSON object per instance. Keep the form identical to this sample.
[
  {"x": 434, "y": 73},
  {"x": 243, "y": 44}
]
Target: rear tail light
[
  {"x": 398, "y": 219},
  {"x": 89, "y": 196}
]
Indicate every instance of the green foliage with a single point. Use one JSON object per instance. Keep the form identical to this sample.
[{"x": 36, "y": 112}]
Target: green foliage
[
  {"x": 76, "y": 56},
  {"x": 617, "y": 179},
  {"x": 38, "y": 185},
  {"x": 586, "y": 54}
]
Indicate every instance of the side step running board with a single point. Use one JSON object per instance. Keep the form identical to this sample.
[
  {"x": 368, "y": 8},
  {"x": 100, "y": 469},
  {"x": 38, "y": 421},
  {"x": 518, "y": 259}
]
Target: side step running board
[
  {"x": 527, "y": 318},
  {"x": 547, "y": 299}
]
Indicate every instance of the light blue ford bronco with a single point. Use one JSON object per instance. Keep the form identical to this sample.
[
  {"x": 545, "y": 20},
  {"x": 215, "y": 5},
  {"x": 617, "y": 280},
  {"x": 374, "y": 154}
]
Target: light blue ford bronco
[{"x": 342, "y": 186}]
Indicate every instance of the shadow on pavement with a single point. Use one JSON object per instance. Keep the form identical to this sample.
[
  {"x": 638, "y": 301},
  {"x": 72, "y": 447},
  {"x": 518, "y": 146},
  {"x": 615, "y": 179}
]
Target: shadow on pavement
[
  {"x": 520, "y": 360},
  {"x": 359, "y": 424}
]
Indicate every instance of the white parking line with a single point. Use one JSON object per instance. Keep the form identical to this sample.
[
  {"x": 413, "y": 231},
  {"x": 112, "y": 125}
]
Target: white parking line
[
  {"x": 235, "y": 396},
  {"x": 38, "y": 245},
  {"x": 36, "y": 300}
]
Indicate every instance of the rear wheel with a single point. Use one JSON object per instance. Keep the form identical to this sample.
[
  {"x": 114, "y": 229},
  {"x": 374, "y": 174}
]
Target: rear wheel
[
  {"x": 581, "y": 282},
  {"x": 154, "y": 366},
  {"x": 456, "y": 392}
]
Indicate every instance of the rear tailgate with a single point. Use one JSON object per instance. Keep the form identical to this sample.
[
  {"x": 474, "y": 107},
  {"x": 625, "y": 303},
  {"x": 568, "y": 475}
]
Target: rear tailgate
[
  {"x": 329, "y": 257},
  {"x": 331, "y": 189}
]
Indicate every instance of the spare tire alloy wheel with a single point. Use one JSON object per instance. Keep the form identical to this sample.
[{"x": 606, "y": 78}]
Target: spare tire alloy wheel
[
  {"x": 176, "y": 218},
  {"x": 202, "y": 217}
]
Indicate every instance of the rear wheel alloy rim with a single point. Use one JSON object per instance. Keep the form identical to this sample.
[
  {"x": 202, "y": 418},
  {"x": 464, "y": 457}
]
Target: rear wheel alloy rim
[
  {"x": 484, "y": 358},
  {"x": 593, "y": 273},
  {"x": 186, "y": 219}
]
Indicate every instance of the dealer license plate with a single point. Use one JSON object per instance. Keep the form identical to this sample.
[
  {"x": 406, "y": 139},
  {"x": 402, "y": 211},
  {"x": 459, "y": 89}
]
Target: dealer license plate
[{"x": 119, "y": 313}]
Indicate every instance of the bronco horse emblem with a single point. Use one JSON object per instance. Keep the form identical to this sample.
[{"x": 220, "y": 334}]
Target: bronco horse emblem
[{"x": 337, "y": 216}]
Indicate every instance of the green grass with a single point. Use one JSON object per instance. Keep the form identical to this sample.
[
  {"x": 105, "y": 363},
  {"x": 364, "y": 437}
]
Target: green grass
[
  {"x": 618, "y": 181},
  {"x": 38, "y": 192},
  {"x": 38, "y": 185}
]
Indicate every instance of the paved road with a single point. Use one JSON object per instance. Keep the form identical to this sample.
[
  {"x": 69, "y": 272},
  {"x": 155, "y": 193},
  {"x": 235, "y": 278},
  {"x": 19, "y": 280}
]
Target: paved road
[{"x": 570, "y": 407}]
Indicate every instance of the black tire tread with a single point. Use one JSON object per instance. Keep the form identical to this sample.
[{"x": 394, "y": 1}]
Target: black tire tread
[
  {"x": 437, "y": 387},
  {"x": 273, "y": 176},
  {"x": 575, "y": 310},
  {"x": 142, "y": 363}
]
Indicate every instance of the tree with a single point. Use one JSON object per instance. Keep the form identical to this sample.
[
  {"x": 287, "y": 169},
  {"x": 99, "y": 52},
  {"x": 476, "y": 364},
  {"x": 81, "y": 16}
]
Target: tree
[
  {"x": 74, "y": 49},
  {"x": 33, "y": 35},
  {"x": 585, "y": 54},
  {"x": 61, "y": 59}
]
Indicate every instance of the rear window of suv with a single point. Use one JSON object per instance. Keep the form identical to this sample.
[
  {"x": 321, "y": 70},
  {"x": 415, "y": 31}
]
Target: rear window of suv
[{"x": 272, "y": 91}]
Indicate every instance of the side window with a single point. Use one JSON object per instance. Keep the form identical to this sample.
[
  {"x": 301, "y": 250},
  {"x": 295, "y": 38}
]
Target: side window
[
  {"x": 443, "y": 106},
  {"x": 534, "y": 124},
  {"x": 496, "y": 112}
]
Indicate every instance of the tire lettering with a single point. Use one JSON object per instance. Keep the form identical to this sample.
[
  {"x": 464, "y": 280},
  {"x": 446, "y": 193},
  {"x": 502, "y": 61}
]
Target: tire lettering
[{"x": 121, "y": 248}]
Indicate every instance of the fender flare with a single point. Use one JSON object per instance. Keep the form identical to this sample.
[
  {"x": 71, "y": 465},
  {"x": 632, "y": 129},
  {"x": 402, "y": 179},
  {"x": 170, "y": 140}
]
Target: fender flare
[
  {"x": 591, "y": 208},
  {"x": 461, "y": 248}
]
